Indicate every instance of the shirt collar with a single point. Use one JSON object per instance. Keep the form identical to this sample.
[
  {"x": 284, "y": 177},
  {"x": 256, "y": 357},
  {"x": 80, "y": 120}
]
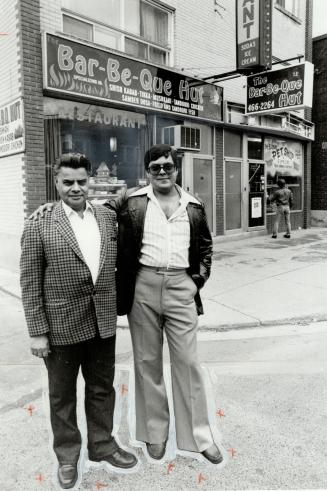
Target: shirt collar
[
  {"x": 185, "y": 197},
  {"x": 70, "y": 212}
]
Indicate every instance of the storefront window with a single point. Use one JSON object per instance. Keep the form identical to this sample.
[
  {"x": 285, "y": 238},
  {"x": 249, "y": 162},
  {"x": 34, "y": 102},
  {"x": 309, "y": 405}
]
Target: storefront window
[
  {"x": 255, "y": 147},
  {"x": 232, "y": 144},
  {"x": 284, "y": 159},
  {"x": 112, "y": 139}
]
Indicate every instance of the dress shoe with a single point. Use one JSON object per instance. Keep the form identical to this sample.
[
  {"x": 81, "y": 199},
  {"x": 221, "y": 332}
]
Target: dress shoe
[
  {"x": 67, "y": 475},
  {"x": 274, "y": 236},
  {"x": 156, "y": 450},
  {"x": 119, "y": 458},
  {"x": 287, "y": 236},
  {"x": 212, "y": 454}
]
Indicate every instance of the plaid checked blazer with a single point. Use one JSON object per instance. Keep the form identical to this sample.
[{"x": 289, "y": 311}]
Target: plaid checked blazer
[{"x": 58, "y": 293}]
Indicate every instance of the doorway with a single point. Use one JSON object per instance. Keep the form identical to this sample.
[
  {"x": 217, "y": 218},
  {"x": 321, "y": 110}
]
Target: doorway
[
  {"x": 198, "y": 179},
  {"x": 233, "y": 195},
  {"x": 257, "y": 194}
]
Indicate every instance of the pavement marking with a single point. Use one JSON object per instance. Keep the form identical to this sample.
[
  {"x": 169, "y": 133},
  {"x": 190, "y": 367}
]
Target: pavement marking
[
  {"x": 100, "y": 485},
  {"x": 40, "y": 478},
  {"x": 30, "y": 409},
  {"x": 232, "y": 452},
  {"x": 22, "y": 401},
  {"x": 220, "y": 413},
  {"x": 123, "y": 389},
  {"x": 201, "y": 478}
]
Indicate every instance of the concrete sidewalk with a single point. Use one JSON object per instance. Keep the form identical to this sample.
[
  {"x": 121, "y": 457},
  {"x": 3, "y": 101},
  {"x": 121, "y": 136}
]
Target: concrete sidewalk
[{"x": 255, "y": 281}]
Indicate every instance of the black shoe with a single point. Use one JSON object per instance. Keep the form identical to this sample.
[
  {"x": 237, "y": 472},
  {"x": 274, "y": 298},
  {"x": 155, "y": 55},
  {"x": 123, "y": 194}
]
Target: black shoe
[
  {"x": 287, "y": 236},
  {"x": 119, "y": 458},
  {"x": 67, "y": 475},
  {"x": 156, "y": 450},
  {"x": 213, "y": 454},
  {"x": 274, "y": 236}
]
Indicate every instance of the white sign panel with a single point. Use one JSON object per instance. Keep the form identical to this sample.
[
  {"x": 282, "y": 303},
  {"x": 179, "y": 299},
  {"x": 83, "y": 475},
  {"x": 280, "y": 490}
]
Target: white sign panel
[
  {"x": 12, "y": 128},
  {"x": 256, "y": 207}
]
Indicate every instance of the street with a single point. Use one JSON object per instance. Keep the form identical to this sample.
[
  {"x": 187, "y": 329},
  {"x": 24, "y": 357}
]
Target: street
[{"x": 268, "y": 396}]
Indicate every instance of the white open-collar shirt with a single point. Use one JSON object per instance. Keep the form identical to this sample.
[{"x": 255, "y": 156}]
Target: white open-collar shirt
[
  {"x": 166, "y": 241},
  {"x": 88, "y": 236}
]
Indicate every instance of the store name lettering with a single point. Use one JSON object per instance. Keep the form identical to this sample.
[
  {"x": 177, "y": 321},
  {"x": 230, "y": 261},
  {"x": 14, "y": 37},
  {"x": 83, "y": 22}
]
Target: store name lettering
[
  {"x": 10, "y": 113},
  {"x": 282, "y": 152},
  {"x": 248, "y": 16},
  {"x": 285, "y": 86},
  {"x": 149, "y": 83}
]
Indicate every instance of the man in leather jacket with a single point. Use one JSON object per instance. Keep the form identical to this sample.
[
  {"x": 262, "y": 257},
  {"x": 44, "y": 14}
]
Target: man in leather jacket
[{"x": 164, "y": 259}]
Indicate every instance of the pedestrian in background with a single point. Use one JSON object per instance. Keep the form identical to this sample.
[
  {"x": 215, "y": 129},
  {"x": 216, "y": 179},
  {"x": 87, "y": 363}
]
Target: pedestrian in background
[{"x": 283, "y": 198}]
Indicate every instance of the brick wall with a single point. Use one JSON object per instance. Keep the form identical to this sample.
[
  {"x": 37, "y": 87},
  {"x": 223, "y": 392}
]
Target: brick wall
[
  {"x": 34, "y": 163},
  {"x": 319, "y": 116}
]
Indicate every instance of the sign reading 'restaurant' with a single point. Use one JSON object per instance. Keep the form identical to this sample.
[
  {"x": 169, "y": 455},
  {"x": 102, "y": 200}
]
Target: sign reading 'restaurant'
[
  {"x": 82, "y": 70},
  {"x": 280, "y": 90}
]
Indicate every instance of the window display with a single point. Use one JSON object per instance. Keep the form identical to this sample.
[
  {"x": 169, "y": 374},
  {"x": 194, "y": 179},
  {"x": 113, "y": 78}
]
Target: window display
[
  {"x": 284, "y": 158},
  {"x": 112, "y": 139}
]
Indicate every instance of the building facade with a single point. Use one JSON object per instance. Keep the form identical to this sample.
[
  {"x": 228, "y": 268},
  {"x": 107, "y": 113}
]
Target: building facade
[{"x": 109, "y": 78}]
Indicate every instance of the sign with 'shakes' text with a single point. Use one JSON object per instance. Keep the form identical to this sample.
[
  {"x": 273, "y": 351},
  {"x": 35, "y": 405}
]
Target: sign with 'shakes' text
[
  {"x": 253, "y": 35},
  {"x": 82, "y": 70},
  {"x": 280, "y": 90}
]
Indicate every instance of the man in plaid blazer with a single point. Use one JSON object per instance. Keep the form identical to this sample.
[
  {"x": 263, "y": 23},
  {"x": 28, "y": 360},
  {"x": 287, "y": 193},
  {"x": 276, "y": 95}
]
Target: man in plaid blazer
[{"x": 69, "y": 298}]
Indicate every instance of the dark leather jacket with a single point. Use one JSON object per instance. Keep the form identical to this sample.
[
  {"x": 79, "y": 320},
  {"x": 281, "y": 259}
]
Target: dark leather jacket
[{"x": 131, "y": 215}]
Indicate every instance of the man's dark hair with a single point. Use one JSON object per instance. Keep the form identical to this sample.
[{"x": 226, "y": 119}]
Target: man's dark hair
[
  {"x": 72, "y": 160},
  {"x": 157, "y": 151},
  {"x": 281, "y": 183}
]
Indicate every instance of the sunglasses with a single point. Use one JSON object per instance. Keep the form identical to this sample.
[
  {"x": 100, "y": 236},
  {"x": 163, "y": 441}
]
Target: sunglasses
[{"x": 167, "y": 167}]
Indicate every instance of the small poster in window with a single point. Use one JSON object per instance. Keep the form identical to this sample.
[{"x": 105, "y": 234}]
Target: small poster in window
[{"x": 256, "y": 207}]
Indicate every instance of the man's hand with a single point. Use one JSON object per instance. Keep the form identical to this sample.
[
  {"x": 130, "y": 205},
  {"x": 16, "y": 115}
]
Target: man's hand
[
  {"x": 40, "y": 346},
  {"x": 39, "y": 212}
]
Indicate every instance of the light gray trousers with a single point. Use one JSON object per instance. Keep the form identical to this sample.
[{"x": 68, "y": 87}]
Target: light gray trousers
[{"x": 164, "y": 301}]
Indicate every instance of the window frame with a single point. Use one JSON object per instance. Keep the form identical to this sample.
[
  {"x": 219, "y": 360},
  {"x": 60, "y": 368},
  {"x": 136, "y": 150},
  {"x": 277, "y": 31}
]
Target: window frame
[
  {"x": 123, "y": 34},
  {"x": 294, "y": 14}
]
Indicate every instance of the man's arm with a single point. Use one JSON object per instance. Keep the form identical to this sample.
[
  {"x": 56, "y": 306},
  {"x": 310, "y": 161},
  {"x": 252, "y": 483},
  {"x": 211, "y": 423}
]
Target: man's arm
[
  {"x": 32, "y": 265},
  {"x": 205, "y": 244}
]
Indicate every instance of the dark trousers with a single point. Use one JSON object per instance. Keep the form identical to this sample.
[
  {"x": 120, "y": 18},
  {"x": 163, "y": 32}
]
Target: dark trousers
[{"x": 96, "y": 357}]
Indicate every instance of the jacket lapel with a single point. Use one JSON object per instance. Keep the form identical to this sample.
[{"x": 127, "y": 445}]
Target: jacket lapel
[
  {"x": 64, "y": 228},
  {"x": 104, "y": 236}
]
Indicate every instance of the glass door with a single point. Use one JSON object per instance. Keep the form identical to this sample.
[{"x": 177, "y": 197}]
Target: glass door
[
  {"x": 233, "y": 195},
  {"x": 257, "y": 194}
]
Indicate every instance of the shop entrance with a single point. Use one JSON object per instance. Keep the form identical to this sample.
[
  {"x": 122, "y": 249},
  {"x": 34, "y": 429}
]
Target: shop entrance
[
  {"x": 198, "y": 172},
  {"x": 233, "y": 195},
  {"x": 257, "y": 194}
]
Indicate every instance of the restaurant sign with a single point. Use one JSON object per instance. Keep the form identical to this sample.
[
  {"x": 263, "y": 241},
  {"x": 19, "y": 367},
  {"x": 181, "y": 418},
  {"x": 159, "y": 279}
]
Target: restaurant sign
[
  {"x": 280, "y": 90},
  {"x": 12, "y": 128},
  {"x": 253, "y": 35},
  {"x": 82, "y": 70}
]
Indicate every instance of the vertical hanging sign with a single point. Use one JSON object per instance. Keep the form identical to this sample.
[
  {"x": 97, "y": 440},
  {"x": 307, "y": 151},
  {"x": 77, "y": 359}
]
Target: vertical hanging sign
[{"x": 253, "y": 38}]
